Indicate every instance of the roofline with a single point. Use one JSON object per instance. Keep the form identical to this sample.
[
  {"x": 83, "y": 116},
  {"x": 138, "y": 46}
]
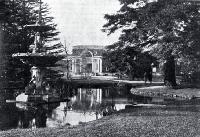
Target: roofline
[{"x": 88, "y": 47}]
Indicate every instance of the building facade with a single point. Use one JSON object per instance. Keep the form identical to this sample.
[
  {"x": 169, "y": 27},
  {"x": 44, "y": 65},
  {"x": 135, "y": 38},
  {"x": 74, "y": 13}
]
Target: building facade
[{"x": 86, "y": 59}]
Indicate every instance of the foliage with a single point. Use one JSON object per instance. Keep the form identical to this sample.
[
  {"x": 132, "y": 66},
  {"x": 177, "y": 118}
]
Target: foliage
[
  {"x": 164, "y": 27},
  {"x": 18, "y": 14},
  {"x": 128, "y": 60}
]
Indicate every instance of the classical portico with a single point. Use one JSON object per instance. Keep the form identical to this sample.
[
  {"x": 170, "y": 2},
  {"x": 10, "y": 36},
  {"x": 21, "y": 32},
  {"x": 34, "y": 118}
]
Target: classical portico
[{"x": 86, "y": 59}]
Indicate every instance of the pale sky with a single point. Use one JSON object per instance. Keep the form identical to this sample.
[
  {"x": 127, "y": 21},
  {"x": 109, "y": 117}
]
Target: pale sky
[{"x": 80, "y": 21}]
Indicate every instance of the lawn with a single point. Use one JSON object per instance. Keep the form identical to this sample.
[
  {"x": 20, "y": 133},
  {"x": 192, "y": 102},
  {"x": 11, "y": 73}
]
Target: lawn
[
  {"x": 137, "y": 122},
  {"x": 185, "y": 93}
]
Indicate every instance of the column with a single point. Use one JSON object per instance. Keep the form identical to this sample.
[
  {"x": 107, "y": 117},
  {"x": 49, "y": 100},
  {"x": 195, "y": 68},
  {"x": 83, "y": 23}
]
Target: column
[
  {"x": 80, "y": 94},
  {"x": 93, "y": 68},
  {"x": 75, "y": 65},
  {"x": 100, "y": 65},
  {"x": 99, "y": 95},
  {"x": 80, "y": 65},
  {"x": 72, "y": 65}
]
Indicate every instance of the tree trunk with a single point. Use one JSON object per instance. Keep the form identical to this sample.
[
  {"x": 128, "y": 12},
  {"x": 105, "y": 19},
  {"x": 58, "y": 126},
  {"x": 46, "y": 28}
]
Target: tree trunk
[
  {"x": 1, "y": 52},
  {"x": 169, "y": 72},
  {"x": 2, "y": 61}
]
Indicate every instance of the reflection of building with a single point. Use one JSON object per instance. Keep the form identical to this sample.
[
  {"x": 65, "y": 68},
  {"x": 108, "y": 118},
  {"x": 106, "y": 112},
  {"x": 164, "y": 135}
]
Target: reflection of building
[
  {"x": 93, "y": 95},
  {"x": 86, "y": 59}
]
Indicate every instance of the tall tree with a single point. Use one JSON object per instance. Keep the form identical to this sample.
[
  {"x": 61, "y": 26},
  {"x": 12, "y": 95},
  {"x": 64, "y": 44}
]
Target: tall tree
[
  {"x": 128, "y": 60},
  {"x": 19, "y": 14},
  {"x": 16, "y": 15},
  {"x": 168, "y": 28}
]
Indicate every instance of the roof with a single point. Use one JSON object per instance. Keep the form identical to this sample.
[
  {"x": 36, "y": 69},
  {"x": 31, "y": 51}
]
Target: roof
[{"x": 88, "y": 47}]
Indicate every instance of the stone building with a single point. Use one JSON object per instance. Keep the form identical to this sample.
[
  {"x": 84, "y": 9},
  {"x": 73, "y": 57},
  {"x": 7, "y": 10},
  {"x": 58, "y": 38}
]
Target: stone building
[{"x": 86, "y": 59}]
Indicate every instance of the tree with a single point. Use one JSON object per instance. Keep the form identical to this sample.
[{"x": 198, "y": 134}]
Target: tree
[
  {"x": 169, "y": 29},
  {"x": 16, "y": 16},
  {"x": 19, "y": 14},
  {"x": 128, "y": 60}
]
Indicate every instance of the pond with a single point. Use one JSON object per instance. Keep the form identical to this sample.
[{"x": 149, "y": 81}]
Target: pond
[{"x": 83, "y": 105}]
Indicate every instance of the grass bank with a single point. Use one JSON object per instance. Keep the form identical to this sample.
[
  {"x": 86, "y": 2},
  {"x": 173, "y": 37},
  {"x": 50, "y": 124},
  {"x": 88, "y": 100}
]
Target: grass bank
[
  {"x": 162, "y": 91},
  {"x": 138, "y": 122}
]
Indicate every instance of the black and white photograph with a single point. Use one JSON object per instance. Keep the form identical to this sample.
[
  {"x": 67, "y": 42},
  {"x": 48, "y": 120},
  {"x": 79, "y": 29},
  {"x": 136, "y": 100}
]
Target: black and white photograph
[{"x": 99, "y": 68}]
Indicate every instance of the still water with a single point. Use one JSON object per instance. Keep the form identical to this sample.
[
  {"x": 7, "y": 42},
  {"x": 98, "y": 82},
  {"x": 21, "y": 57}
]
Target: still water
[{"x": 84, "y": 105}]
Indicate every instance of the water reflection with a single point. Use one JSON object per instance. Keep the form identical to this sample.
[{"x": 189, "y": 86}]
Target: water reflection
[
  {"x": 62, "y": 115},
  {"x": 32, "y": 118},
  {"x": 83, "y": 105},
  {"x": 87, "y": 105},
  {"x": 8, "y": 116}
]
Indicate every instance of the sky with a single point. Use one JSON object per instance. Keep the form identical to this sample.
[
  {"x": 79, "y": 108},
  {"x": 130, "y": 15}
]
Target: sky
[{"x": 80, "y": 21}]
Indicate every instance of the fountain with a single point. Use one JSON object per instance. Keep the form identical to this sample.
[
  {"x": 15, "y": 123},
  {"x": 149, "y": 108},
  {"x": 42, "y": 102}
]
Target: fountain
[{"x": 39, "y": 88}]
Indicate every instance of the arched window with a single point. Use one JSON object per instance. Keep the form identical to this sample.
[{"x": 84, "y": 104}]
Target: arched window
[{"x": 86, "y": 53}]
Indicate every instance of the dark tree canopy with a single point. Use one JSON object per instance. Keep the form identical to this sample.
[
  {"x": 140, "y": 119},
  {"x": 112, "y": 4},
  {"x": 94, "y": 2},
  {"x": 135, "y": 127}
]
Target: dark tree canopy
[
  {"x": 18, "y": 14},
  {"x": 164, "y": 27},
  {"x": 128, "y": 60},
  {"x": 15, "y": 16}
]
